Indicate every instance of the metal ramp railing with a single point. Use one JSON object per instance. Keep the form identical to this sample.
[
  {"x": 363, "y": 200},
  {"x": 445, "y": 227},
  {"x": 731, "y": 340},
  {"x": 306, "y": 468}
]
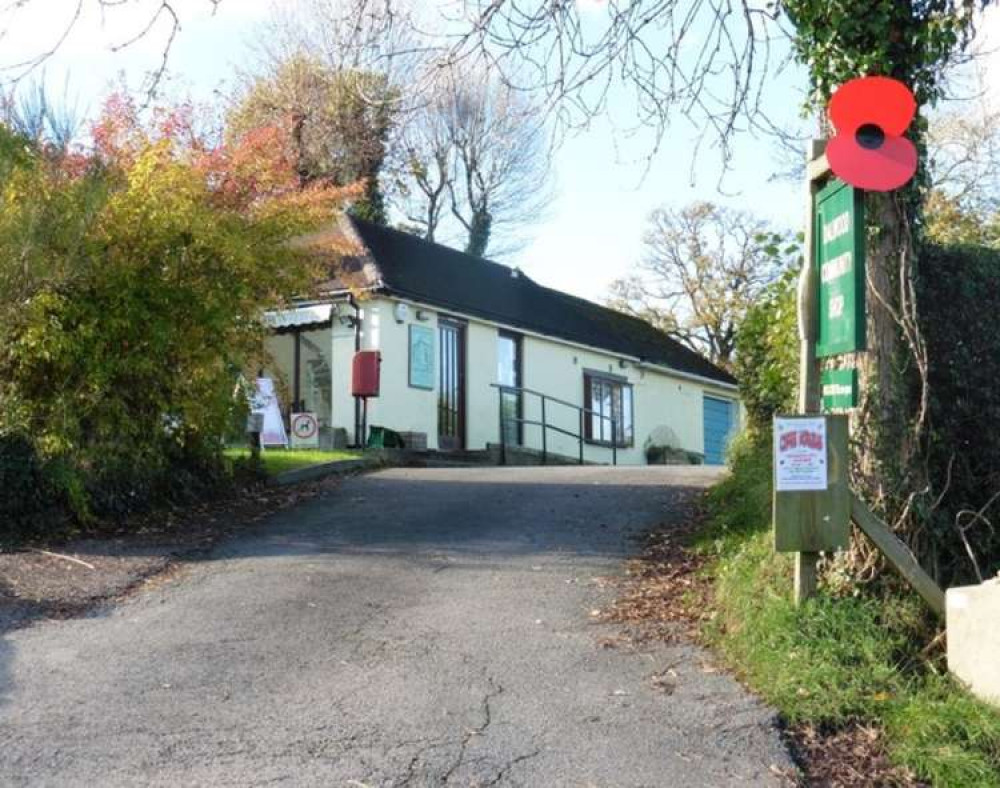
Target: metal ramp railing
[{"x": 506, "y": 419}]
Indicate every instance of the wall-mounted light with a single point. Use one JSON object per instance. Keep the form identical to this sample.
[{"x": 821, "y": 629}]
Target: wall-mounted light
[{"x": 423, "y": 315}]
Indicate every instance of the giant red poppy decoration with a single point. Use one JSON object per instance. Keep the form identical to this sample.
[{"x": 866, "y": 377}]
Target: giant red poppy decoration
[{"x": 869, "y": 151}]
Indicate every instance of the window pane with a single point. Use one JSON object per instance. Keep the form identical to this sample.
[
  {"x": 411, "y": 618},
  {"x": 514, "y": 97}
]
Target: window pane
[
  {"x": 607, "y": 409},
  {"x": 627, "y": 412},
  {"x": 615, "y": 429},
  {"x": 595, "y": 406},
  {"x": 507, "y": 361}
]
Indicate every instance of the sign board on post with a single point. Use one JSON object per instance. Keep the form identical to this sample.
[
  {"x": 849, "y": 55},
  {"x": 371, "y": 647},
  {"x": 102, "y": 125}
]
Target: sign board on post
[
  {"x": 305, "y": 431},
  {"x": 421, "y": 357},
  {"x": 812, "y": 504},
  {"x": 839, "y": 389},
  {"x": 840, "y": 257},
  {"x": 800, "y": 454}
]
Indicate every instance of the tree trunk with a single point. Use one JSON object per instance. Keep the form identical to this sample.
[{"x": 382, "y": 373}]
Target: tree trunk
[
  {"x": 888, "y": 425},
  {"x": 479, "y": 233}
]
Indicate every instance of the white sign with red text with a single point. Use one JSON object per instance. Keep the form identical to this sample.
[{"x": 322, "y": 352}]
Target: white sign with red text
[
  {"x": 800, "y": 454},
  {"x": 265, "y": 401}
]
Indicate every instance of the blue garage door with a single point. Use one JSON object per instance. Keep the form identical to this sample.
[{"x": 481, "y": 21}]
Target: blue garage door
[{"x": 720, "y": 421}]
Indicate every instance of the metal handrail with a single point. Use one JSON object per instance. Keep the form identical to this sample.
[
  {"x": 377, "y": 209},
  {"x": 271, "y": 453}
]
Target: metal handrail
[{"x": 582, "y": 411}]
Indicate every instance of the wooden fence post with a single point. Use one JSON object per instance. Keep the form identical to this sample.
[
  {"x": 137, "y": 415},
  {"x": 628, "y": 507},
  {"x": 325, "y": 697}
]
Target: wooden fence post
[{"x": 808, "y": 294}]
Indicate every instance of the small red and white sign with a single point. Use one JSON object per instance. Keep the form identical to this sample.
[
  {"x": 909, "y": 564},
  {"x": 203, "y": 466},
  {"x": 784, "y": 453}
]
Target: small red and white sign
[
  {"x": 305, "y": 431},
  {"x": 800, "y": 454}
]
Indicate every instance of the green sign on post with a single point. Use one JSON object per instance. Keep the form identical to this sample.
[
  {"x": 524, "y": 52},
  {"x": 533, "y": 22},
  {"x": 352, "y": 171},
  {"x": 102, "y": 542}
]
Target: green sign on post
[
  {"x": 840, "y": 258},
  {"x": 839, "y": 389}
]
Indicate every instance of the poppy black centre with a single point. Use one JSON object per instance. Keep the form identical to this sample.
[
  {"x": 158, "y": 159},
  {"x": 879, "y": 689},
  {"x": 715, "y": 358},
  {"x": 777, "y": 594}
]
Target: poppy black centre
[{"x": 870, "y": 136}]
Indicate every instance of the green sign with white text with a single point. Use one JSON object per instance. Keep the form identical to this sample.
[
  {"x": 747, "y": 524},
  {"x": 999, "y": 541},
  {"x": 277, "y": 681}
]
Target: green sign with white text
[
  {"x": 839, "y": 389},
  {"x": 839, "y": 236}
]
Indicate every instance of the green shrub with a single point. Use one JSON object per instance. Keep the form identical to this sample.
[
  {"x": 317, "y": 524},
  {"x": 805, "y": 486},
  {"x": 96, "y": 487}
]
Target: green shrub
[
  {"x": 741, "y": 502},
  {"x": 30, "y": 502},
  {"x": 959, "y": 301},
  {"x": 766, "y": 363},
  {"x": 132, "y": 278}
]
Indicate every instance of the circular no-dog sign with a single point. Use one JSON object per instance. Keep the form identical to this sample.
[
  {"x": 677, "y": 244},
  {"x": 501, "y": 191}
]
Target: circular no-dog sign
[{"x": 304, "y": 426}]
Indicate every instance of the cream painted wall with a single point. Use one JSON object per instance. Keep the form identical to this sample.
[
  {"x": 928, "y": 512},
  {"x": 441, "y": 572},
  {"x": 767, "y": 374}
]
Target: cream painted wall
[
  {"x": 399, "y": 406},
  {"x": 668, "y": 407},
  {"x": 665, "y": 406}
]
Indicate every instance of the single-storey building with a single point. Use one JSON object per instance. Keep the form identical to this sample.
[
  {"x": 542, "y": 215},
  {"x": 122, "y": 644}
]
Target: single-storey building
[{"x": 452, "y": 329}]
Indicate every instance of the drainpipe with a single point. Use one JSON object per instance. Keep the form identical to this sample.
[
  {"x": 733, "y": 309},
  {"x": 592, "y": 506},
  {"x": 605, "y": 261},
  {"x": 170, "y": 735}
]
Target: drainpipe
[
  {"x": 357, "y": 346},
  {"x": 297, "y": 370}
]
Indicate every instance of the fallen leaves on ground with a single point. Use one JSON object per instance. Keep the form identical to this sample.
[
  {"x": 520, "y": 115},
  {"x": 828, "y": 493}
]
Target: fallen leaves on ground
[
  {"x": 666, "y": 595},
  {"x": 847, "y": 758}
]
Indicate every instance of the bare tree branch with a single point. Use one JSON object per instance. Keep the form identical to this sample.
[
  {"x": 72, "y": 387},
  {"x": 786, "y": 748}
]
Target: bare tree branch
[
  {"x": 702, "y": 268},
  {"x": 159, "y": 10}
]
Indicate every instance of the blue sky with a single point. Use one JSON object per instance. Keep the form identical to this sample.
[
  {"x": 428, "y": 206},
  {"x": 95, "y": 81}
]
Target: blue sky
[{"x": 603, "y": 191}]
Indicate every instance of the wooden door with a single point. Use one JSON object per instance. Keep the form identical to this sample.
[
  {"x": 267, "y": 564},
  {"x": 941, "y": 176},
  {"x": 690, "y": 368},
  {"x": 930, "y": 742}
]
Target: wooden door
[{"x": 451, "y": 385}]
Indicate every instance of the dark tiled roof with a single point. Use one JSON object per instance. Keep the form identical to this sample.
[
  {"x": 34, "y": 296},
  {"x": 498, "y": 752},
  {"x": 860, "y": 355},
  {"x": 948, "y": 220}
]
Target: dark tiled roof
[{"x": 452, "y": 280}]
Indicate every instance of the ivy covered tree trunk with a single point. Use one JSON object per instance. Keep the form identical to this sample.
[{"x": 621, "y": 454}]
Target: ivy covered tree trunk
[
  {"x": 479, "y": 233},
  {"x": 912, "y": 42},
  {"x": 889, "y": 424}
]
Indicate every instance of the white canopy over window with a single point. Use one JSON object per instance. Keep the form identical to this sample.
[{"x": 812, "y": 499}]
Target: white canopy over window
[{"x": 299, "y": 316}]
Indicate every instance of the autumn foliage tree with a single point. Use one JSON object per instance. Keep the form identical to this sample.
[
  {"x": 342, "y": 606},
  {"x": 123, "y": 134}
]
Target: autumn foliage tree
[
  {"x": 133, "y": 271},
  {"x": 338, "y": 123}
]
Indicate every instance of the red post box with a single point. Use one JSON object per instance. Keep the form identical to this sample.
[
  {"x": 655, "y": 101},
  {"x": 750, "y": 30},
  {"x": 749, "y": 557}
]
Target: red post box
[{"x": 365, "y": 373}]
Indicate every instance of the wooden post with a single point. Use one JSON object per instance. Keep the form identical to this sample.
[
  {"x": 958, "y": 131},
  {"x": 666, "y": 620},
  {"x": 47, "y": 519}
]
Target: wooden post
[
  {"x": 255, "y": 425},
  {"x": 898, "y": 554},
  {"x": 808, "y": 294}
]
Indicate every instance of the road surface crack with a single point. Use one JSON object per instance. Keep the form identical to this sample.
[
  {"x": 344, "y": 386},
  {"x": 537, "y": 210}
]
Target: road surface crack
[
  {"x": 510, "y": 765},
  {"x": 494, "y": 691}
]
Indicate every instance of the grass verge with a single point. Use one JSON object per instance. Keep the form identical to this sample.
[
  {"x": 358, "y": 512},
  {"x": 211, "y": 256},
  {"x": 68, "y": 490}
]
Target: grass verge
[
  {"x": 277, "y": 461},
  {"x": 841, "y": 660}
]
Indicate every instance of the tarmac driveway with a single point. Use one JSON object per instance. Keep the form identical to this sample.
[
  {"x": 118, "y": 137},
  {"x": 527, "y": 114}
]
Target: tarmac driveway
[{"x": 414, "y": 627}]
